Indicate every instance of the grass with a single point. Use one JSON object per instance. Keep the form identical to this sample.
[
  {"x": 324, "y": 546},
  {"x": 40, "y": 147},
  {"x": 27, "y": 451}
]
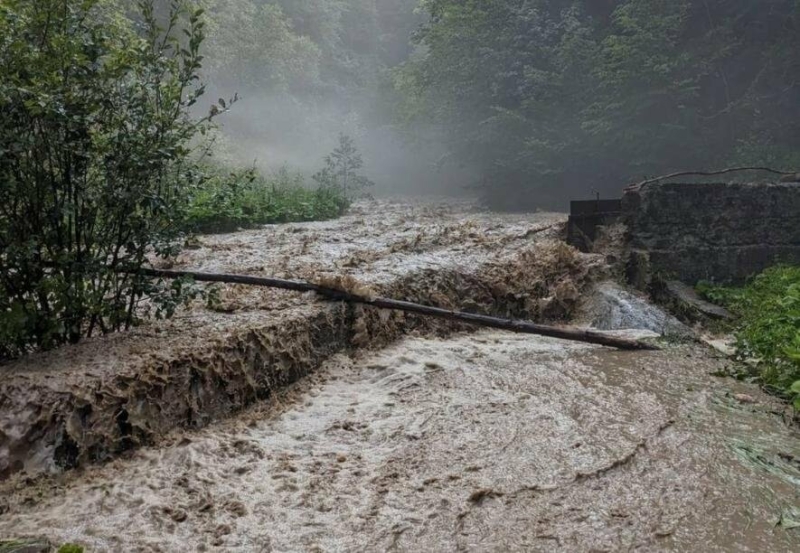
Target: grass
[
  {"x": 244, "y": 199},
  {"x": 768, "y": 326},
  {"x": 20, "y": 546}
]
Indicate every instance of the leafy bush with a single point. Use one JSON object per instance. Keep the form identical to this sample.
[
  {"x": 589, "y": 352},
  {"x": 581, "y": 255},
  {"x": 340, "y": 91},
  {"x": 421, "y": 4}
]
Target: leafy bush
[
  {"x": 94, "y": 161},
  {"x": 241, "y": 199},
  {"x": 97, "y": 173},
  {"x": 769, "y": 326},
  {"x": 225, "y": 202}
]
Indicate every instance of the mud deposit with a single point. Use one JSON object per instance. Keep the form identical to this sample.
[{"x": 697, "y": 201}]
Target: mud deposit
[{"x": 481, "y": 442}]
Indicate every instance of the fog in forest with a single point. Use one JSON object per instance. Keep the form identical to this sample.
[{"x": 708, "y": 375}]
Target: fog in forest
[
  {"x": 306, "y": 72},
  {"x": 526, "y": 104},
  {"x": 272, "y": 132}
]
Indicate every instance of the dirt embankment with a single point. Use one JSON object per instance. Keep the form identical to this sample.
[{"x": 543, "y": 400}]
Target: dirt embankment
[{"x": 92, "y": 402}]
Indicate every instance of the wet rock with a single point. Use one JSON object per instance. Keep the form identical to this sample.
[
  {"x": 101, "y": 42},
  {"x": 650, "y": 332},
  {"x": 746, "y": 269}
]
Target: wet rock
[{"x": 685, "y": 295}]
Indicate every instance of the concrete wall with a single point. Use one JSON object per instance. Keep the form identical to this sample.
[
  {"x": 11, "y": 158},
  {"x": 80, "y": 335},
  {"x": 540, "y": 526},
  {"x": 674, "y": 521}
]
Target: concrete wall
[{"x": 714, "y": 231}]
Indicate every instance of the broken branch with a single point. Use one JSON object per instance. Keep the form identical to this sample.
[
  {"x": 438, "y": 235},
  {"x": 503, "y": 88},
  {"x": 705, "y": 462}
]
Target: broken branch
[{"x": 711, "y": 174}]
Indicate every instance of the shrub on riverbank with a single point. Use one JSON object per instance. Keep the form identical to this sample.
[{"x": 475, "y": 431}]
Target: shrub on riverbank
[
  {"x": 99, "y": 170},
  {"x": 244, "y": 199},
  {"x": 96, "y": 141},
  {"x": 768, "y": 329}
]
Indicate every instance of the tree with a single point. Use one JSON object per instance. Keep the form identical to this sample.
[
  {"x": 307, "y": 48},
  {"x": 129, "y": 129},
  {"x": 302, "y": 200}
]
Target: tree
[
  {"x": 341, "y": 169},
  {"x": 94, "y": 161},
  {"x": 256, "y": 46}
]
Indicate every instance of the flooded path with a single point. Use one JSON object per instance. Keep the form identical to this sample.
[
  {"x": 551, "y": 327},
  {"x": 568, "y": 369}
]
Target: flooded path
[
  {"x": 91, "y": 402},
  {"x": 481, "y": 442}
]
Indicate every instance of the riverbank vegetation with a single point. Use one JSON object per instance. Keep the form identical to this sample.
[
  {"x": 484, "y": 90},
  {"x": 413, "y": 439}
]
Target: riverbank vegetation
[
  {"x": 95, "y": 161},
  {"x": 104, "y": 165},
  {"x": 245, "y": 199},
  {"x": 768, "y": 327}
]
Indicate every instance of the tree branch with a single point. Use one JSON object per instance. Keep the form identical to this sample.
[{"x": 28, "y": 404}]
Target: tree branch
[{"x": 710, "y": 174}]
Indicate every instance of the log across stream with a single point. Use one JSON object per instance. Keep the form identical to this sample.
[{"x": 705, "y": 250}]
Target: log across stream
[{"x": 336, "y": 294}]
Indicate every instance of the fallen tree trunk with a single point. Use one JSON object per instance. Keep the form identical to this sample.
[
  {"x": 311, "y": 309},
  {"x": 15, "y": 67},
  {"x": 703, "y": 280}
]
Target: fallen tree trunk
[{"x": 524, "y": 327}]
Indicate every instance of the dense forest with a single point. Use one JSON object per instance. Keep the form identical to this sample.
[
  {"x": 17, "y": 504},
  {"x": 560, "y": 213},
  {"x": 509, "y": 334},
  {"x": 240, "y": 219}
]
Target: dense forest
[
  {"x": 529, "y": 101},
  {"x": 548, "y": 99},
  {"x": 307, "y": 70}
]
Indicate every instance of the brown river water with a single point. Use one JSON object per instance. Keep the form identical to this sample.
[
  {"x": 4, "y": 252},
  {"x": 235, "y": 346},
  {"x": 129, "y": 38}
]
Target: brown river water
[{"x": 480, "y": 442}]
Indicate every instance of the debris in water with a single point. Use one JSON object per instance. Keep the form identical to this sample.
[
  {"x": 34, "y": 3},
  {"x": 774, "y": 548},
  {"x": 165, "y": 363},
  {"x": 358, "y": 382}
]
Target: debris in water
[
  {"x": 745, "y": 398},
  {"x": 346, "y": 283},
  {"x": 766, "y": 461},
  {"x": 789, "y": 519},
  {"x": 481, "y": 495}
]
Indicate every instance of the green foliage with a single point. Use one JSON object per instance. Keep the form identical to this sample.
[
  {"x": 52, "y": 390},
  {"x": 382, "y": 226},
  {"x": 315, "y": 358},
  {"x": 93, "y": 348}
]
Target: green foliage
[
  {"x": 242, "y": 199},
  {"x": 340, "y": 174},
  {"x": 335, "y": 48},
  {"x": 721, "y": 295},
  {"x": 225, "y": 202},
  {"x": 20, "y": 546},
  {"x": 769, "y": 324},
  {"x": 794, "y": 391},
  {"x": 70, "y": 548},
  {"x": 548, "y": 98},
  {"x": 94, "y": 161},
  {"x": 304, "y": 68},
  {"x": 97, "y": 167},
  {"x": 255, "y": 45}
]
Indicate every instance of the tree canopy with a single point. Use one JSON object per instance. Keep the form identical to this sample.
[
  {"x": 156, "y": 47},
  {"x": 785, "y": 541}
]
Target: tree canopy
[
  {"x": 544, "y": 99},
  {"x": 306, "y": 70}
]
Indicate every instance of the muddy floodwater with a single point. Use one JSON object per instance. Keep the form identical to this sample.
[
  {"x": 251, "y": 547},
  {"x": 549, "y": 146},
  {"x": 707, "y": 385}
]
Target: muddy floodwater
[
  {"x": 319, "y": 428},
  {"x": 479, "y": 442}
]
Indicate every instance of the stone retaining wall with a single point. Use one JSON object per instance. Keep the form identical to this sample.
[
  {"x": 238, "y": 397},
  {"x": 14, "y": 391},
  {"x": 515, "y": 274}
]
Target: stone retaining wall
[{"x": 724, "y": 232}]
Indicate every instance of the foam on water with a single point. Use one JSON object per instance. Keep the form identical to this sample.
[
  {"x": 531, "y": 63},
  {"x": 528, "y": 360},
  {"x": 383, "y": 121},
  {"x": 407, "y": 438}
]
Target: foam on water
[{"x": 482, "y": 442}]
